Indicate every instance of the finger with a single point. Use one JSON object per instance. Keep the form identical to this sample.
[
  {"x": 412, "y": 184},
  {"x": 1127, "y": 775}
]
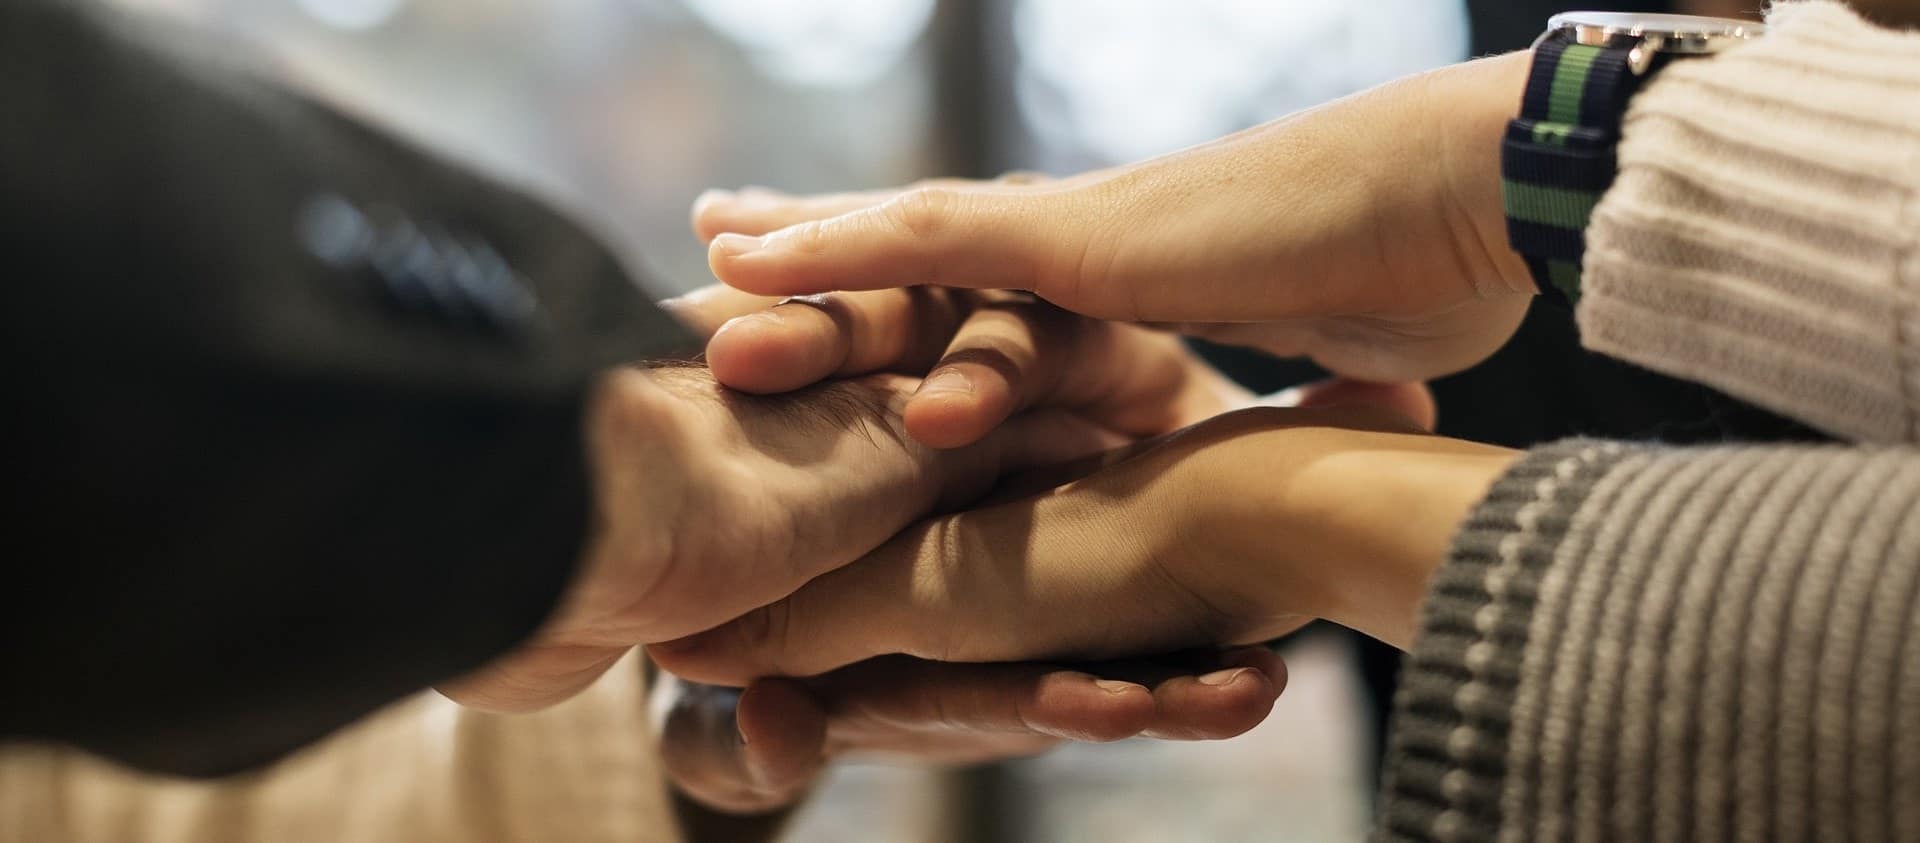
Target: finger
[
  {"x": 783, "y": 727},
  {"x": 703, "y": 311},
  {"x": 800, "y": 342},
  {"x": 880, "y": 703},
  {"x": 924, "y": 237},
  {"x": 1004, "y": 357},
  {"x": 1223, "y": 703},
  {"x": 759, "y": 210},
  {"x": 1413, "y": 401},
  {"x": 1204, "y": 694},
  {"x": 716, "y": 744},
  {"x": 531, "y": 677},
  {"x": 1010, "y": 356}
]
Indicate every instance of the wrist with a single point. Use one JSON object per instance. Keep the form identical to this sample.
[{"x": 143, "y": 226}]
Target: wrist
[
  {"x": 1319, "y": 518},
  {"x": 1470, "y": 106},
  {"x": 1395, "y": 510}
]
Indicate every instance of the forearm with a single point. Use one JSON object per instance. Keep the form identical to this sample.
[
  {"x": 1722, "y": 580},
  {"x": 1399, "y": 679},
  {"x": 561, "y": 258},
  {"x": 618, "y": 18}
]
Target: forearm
[{"x": 1645, "y": 643}]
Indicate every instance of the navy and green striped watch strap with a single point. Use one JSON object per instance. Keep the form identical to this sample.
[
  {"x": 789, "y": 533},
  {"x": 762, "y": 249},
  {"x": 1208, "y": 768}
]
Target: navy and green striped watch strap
[{"x": 1558, "y": 157}]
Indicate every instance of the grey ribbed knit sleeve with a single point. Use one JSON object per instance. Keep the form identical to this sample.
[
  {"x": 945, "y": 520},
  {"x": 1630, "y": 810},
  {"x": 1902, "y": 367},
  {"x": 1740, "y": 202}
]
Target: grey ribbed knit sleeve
[
  {"x": 1667, "y": 644},
  {"x": 1763, "y": 236}
]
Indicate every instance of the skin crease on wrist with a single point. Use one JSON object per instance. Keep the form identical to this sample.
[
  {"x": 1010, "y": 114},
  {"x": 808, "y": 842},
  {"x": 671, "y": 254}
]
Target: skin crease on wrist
[{"x": 1471, "y": 105}]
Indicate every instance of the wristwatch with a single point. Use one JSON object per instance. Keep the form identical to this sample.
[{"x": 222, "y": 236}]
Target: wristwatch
[{"x": 1558, "y": 157}]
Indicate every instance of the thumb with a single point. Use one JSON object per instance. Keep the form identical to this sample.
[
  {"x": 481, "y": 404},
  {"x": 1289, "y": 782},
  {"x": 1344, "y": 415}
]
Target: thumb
[{"x": 1027, "y": 240}]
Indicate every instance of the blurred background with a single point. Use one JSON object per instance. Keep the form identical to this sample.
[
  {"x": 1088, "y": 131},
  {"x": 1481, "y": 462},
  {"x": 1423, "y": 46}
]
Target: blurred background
[{"x": 624, "y": 110}]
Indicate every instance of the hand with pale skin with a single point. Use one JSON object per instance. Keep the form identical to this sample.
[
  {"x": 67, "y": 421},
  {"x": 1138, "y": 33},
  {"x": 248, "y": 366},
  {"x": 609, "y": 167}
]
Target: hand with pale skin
[
  {"x": 1367, "y": 234},
  {"x": 984, "y": 356}
]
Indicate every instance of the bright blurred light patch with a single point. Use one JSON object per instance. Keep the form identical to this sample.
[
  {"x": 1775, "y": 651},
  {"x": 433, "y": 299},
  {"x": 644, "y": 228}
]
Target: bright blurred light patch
[
  {"x": 819, "y": 43},
  {"x": 1127, "y": 79},
  {"x": 351, "y": 14}
]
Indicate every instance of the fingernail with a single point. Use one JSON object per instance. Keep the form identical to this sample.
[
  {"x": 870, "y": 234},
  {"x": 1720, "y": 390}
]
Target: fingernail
[
  {"x": 946, "y": 382},
  {"x": 1223, "y": 677},
  {"x": 737, "y": 244},
  {"x": 1114, "y": 686},
  {"x": 710, "y": 196}
]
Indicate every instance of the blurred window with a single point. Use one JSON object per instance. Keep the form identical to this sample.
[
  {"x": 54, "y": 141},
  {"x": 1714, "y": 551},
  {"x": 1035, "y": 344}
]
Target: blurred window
[
  {"x": 1106, "y": 82},
  {"x": 624, "y": 110}
]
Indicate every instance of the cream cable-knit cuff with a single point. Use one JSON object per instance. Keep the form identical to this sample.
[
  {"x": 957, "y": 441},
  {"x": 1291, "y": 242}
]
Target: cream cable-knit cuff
[{"x": 1763, "y": 237}]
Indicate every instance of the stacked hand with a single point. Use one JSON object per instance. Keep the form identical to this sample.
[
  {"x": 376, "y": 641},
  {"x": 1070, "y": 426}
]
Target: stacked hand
[
  {"x": 1367, "y": 235},
  {"x": 760, "y": 749},
  {"x": 1134, "y": 557},
  {"x": 747, "y": 538},
  {"x": 713, "y": 503},
  {"x": 1237, "y": 529}
]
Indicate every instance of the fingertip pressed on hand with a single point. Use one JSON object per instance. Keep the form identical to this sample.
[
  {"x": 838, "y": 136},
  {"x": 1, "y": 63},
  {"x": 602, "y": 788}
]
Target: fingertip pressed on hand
[
  {"x": 955, "y": 407},
  {"x": 997, "y": 364},
  {"x": 776, "y": 350}
]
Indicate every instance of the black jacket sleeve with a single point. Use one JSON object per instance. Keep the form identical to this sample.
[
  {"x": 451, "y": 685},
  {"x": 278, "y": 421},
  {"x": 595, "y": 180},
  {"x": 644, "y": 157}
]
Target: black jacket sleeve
[{"x": 292, "y": 412}]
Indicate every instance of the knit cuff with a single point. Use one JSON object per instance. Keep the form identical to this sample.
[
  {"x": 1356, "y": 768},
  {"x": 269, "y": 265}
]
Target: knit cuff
[
  {"x": 1459, "y": 685},
  {"x": 1763, "y": 235}
]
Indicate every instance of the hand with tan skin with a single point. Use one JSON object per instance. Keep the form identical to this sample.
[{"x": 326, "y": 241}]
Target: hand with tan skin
[
  {"x": 1367, "y": 234},
  {"x": 1238, "y": 530},
  {"x": 759, "y": 750},
  {"x": 1223, "y": 532},
  {"x": 713, "y": 502},
  {"x": 762, "y": 749}
]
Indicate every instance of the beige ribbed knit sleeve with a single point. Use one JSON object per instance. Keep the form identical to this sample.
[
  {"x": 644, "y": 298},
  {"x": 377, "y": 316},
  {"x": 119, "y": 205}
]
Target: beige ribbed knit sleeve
[
  {"x": 1678, "y": 645},
  {"x": 1764, "y": 234}
]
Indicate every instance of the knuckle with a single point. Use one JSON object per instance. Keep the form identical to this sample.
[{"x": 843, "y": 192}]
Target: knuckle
[
  {"x": 922, "y": 213},
  {"x": 810, "y": 237},
  {"x": 624, "y": 402}
]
